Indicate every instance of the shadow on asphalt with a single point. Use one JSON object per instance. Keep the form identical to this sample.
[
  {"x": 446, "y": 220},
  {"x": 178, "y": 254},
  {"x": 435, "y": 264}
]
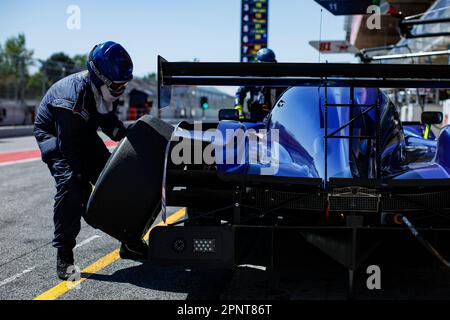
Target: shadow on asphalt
[
  {"x": 198, "y": 284},
  {"x": 293, "y": 284},
  {"x": 320, "y": 283},
  {"x": 407, "y": 272}
]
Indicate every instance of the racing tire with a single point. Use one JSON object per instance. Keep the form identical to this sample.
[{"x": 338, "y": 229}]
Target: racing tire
[{"x": 127, "y": 196}]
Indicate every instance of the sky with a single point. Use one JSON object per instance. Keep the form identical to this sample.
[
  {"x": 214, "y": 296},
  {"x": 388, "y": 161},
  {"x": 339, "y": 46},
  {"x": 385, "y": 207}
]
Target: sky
[{"x": 178, "y": 30}]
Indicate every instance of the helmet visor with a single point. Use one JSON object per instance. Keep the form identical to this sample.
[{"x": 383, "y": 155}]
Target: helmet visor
[{"x": 117, "y": 88}]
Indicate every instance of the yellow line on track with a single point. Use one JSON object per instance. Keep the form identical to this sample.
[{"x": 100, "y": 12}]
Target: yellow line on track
[{"x": 65, "y": 286}]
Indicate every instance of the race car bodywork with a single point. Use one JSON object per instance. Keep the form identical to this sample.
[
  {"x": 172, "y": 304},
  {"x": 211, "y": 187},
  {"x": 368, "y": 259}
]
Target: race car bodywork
[
  {"x": 298, "y": 119},
  {"x": 337, "y": 157},
  {"x": 322, "y": 135},
  {"x": 332, "y": 167}
]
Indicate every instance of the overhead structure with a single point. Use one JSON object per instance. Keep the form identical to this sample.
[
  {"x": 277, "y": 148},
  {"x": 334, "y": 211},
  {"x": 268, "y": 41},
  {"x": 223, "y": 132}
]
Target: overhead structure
[
  {"x": 350, "y": 7},
  {"x": 333, "y": 46},
  {"x": 367, "y": 59},
  {"x": 437, "y": 34},
  {"x": 361, "y": 36},
  {"x": 296, "y": 74}
]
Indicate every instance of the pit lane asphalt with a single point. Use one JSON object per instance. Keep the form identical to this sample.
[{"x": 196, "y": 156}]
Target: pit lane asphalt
[{"x": 27, "y": 259}]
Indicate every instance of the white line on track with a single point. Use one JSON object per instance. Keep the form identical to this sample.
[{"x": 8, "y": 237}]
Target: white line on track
[
  {"x": 9, "y": 163},
  {"x": 16, "y": 276},
  {"x": 84, "y": 242},
  {"x": 18, "y": 161},
  {"x": 251, "y": 266}
]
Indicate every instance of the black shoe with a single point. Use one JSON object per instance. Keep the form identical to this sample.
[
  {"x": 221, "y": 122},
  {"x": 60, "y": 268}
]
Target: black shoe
[
  {"x": 134, "y": 251},
  {"x": 65, "y": 264}
]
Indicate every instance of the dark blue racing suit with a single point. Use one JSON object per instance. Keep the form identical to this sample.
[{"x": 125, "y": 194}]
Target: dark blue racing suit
[
  {"x": 262, "y": 100},
  {"x": 66, "y": 131}
]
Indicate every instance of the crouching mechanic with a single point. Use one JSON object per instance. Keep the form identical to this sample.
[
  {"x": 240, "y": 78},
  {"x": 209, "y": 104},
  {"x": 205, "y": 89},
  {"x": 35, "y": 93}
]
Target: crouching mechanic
[{"x": 66, "y": 131}]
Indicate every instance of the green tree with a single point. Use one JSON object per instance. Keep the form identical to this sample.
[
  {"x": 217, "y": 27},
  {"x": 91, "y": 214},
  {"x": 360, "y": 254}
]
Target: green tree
[
  {"x": 150, "y": 77},
  {"x": 35, "y": 87},
  {"x": 7, "y": 81},
  {"x": 15, "y": 60},
  {"x": 58, "y": 66},
  {"x": 2, "y": 62},
  {"x": 16, "y": 55},
  {"x": 80, "y": 61}
]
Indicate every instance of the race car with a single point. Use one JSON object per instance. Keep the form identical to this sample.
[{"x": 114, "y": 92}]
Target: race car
[{"x": 332, "y": 168}]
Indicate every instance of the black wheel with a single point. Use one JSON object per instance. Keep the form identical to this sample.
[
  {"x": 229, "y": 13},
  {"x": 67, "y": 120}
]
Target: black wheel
[{"x": 127, "y": 196}]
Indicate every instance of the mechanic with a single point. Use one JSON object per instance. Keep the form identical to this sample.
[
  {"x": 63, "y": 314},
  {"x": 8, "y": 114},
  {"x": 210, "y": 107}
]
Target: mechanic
[
  {"x": 66, "y": 131},
  {"x": 262, "y": 99}
]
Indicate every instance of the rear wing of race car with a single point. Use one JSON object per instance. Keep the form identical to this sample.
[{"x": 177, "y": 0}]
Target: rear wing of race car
[{"x": 297, "y": 74}]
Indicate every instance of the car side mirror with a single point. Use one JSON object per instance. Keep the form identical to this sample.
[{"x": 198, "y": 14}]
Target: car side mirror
[
  {"x": 228, "y": 114},
  {"x": 432, "y": 117}
]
